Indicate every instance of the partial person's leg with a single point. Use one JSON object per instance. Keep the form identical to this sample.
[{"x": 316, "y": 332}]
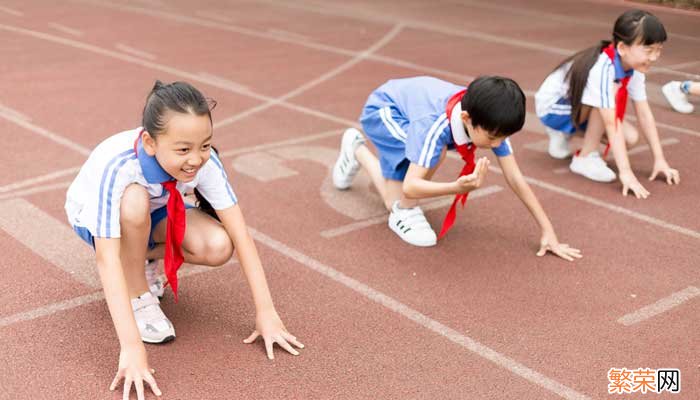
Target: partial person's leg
[
  {"x": 631, "y": 133},
  {"x": 676, "y": 94},
  {"x": 135, "y": 221},
  {"x": 588, "y": 161},
  {"x": 370, "y": 163},
  {"x": 595, "y": 130},
  {"x": 206, "y": 242}
]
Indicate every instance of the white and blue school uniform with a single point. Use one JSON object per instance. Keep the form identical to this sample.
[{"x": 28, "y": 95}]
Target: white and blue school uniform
[
  {"x": 552, "y": 102},
  {"x": 93, "y": 199},
  {"x": 406, "y": 121}
]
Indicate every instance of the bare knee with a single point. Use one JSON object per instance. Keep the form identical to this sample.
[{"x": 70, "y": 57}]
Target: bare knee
[
  {"x": 217, "y": 249},
  {"x": 135, "y": 207},
  {"x": 631, "y": 135}
]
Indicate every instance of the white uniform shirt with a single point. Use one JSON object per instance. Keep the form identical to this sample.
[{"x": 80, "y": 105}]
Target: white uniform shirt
[
  {"x": 94, "y": 197},
  {"x": 600, "y": 89}
]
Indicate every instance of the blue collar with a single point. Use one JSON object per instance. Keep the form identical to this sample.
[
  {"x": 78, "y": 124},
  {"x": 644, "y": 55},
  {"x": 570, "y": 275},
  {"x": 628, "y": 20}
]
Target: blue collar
[
  {"x": 620, "y": 73},
  {"x": 152, "y": 170}
]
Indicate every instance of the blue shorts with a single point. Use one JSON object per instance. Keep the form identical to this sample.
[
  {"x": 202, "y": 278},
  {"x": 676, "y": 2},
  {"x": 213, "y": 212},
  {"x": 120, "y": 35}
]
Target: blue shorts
[
  {"x": 386, "y": 129},
  {"x": 559, "y": 118},
  {"x": 156, "y": 216}
]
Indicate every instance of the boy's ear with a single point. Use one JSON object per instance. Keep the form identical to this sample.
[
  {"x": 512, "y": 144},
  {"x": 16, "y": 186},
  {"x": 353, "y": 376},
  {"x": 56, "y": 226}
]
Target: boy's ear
[
  {"x": 149, "y": 143},
  {"x": 465, "y": 117}
]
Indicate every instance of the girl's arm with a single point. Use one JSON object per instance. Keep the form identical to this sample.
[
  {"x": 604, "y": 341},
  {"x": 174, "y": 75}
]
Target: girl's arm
[
  {"x": 133, "y": 363},
  {"x": 267, "y": 323},
  {"x": 619, "y": 150},
  {"x": 647, "y": 123},
  {"x": 549, "y": 241}
]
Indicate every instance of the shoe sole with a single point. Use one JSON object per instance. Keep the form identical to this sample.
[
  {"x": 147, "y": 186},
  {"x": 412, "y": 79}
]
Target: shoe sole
[
  {"x": 420, "y": 244},
  {"x": 592, "y": 178},
  {"x": 167, "y": 339}
]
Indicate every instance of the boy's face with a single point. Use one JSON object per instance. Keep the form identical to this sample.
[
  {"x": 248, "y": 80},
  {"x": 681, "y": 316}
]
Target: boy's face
[
  {"x": 480, "y": 137},
  {"x": 184, "y": 147}
]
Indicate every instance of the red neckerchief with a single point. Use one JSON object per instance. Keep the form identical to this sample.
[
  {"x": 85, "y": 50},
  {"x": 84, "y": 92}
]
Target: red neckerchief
[
  {"x": 466, "y": 150},
  {"x": 620, "y": 96},
  {"x": 175, "y": 230}
]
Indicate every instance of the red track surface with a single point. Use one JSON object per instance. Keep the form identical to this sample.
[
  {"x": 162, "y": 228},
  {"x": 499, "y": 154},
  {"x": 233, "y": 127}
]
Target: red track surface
[{"x": 380, "y": 319}]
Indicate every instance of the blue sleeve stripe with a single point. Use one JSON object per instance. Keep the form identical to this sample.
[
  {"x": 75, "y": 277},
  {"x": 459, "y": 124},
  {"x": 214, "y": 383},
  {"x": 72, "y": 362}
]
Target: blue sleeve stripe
[
  {"x": 391, "y": 125},
  {"x": 423, "y": 159},
  {"x": 105, "y": 173},
  {"x": 113, "y": 179},
  {"x": 218, "y": 163},
  {"x": 433, "y": 143}
]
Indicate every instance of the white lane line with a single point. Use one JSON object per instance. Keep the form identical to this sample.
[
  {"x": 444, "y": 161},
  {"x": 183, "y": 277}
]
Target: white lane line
[
  {"x": 65, "y": 29},
  {"x": 69, "y": 304},
  {"x": 45, "y": 132},
  {"x": 214, "y": 16},
  {"x": 288, "y": 34},
  {"x": 320, "y": 114},
  {"x": 287, "y": 142},
  {"x": 134, "y": 51},
  {"x": 6, "y": 192},
  {"x": 40, "y": 189},
  {"x": 644, "y": 148},
  {"x": 315, "y": 82},
  {"x": 603, "y": 204},
  {"x": 38, "y": 179},
  {"x": 225, "y": 83},
  {"x": 321, "y": 47},
  {"x": 661, "y": 306},
  {"x": 11, "y": 11},
  {"x": 51, "y": 309},
  {"x": 10, "y": 111},
  {"x": 372, "y": 16},
  {"x": 433, "y": 205},
  {"x": 683, "y": 65},
  {"x": 421, "y": 319},
  {"x": 49, "y": 238}
]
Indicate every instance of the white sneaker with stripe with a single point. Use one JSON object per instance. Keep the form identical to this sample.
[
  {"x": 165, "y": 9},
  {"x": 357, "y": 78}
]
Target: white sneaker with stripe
[
  {"x": 347, "y": 166},
  {"x": 411, "y": 226}
]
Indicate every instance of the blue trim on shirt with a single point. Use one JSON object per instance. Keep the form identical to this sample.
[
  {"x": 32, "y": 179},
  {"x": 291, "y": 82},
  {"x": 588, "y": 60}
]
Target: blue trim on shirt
[
  {"x": 109, "y": 194},
  {"x": 619, "y": 70},
  {"x": 102, "y": 184},
  {"x": 218, "y": 163},
  {"x": 152, "y": 170}
]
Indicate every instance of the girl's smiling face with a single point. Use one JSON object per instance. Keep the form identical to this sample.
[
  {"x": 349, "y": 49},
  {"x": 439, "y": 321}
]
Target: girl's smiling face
[
  {"x": 184, "y": 145},
  {"x": 639, "y": 56}
]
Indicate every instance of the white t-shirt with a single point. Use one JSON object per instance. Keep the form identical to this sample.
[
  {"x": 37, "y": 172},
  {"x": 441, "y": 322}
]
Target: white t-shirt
[
  {"x": 94, "y": 197},
  {"x": 600, "y": 89}
]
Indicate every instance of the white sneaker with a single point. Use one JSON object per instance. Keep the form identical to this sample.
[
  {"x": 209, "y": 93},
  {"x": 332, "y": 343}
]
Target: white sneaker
[
  {"x": 558, "y": 144},
  {"x": 675, "y": 96},
  {"x": 155, "y": 282},
  {"x": 411, "y": 226},
  {"x": 592, "y": 167},
  {"x": 153, "y": 325},
  {"x": 346, "y": 166}
]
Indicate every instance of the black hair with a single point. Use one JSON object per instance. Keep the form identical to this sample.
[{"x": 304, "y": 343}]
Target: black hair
[
  {"x": 179, "y": 97},
  {"x": 496, "y": 104},
  {"x": 633, "y": 26}
]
